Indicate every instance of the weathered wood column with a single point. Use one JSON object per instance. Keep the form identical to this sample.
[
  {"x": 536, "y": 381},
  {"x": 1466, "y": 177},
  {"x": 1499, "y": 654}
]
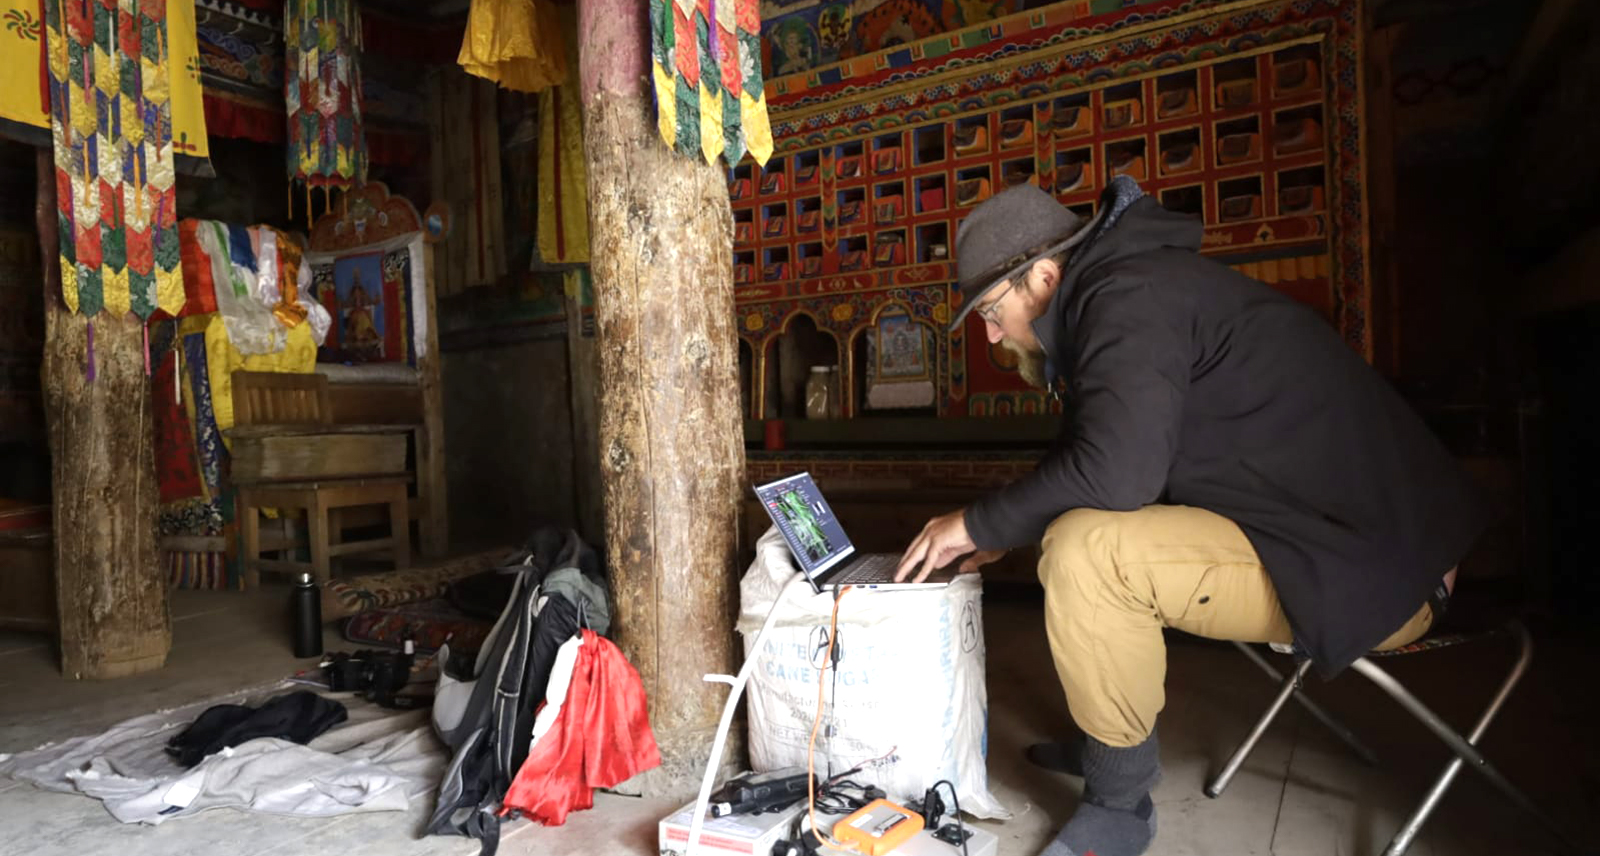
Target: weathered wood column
[
  {"x": 110, "y": 593},
  {"x": 671, "y": 447}
]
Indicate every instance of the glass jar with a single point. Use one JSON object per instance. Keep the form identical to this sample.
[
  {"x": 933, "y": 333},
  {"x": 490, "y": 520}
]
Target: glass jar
[{"x": 819, "y": 393}]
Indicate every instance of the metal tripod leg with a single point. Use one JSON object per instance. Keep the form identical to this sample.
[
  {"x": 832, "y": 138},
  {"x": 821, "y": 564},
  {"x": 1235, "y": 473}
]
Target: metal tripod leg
[
  {"x": 1338, "y": 728},
  {"x": 1464, "y": 748},
  {"x": 1215, "y": 787}
]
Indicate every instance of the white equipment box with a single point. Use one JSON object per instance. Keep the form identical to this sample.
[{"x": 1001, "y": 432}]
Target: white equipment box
[{"x": 734, "y": 835}]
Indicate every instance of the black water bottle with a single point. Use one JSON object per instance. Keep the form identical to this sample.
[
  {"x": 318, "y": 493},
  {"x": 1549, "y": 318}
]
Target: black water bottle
[{"x": 306, "y": 604}]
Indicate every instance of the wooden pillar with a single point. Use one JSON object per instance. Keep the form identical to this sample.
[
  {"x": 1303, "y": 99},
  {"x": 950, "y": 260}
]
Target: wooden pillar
[
  {"x": 583, "y": 365},
  {"x": 671, "y": 449},
  {"x": 434, "y": 527},
  {"x": 110, "y": 593}
]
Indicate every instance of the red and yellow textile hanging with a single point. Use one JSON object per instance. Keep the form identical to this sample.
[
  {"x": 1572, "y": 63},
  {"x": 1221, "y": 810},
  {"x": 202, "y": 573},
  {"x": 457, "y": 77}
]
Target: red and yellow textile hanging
[
  {"x": 327, "y": 146},
  {"x": 706, "y": 59},
  {"x": 515, "y": 43},
  {"x": 563, "y": 226},
  {"x": 25, "y": 93},
  {"x": 111, "y": 124},
  {"x": 563, "y": 183}
]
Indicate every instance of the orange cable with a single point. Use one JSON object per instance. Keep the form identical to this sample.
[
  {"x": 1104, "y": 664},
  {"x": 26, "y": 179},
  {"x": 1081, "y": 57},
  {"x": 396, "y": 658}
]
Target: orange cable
[{"x": 811, "y": 745}]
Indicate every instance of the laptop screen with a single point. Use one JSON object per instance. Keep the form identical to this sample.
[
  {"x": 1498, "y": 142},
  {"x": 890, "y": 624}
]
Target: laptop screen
[{"x": 815, "y": 537}]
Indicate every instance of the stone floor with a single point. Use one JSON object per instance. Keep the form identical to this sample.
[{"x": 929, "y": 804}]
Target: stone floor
[{"x": 1300, "y": 793}]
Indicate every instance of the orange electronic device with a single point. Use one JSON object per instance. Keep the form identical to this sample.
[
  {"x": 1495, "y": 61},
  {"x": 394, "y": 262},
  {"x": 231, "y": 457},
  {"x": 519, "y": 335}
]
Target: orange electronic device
[{"x": 878, "y": 828}]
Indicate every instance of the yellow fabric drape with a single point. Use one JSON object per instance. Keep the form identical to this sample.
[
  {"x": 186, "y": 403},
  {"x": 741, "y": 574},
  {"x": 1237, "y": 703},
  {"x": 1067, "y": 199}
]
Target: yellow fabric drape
[
  {"x": 188, "y": 106},
  {"x": 563, "y": 210},
  {"x": 223, "y": 359},
  {"x": 288, "y": 311},
  {"x": 20, "y": 102},
  {"x": 23, "y": 38},
  {"x": 515, "y": 43},
  {"x": 563, "y": 226}
]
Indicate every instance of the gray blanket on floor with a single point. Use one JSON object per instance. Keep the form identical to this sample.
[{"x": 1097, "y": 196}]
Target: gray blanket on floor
[{"x": 377, "y": 760}]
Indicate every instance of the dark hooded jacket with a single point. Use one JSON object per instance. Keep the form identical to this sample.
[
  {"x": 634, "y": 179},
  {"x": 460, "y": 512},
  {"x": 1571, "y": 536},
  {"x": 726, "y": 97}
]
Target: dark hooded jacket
[{"x": 1191, "y": 384}]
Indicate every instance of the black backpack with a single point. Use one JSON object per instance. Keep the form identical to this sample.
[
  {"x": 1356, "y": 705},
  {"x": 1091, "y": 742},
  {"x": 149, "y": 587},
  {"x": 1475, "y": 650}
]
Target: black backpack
[{"x": 484, "y": 710}]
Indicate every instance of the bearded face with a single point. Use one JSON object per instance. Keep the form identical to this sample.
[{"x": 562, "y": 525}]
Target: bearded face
[{"x": 1030, "y": 363}]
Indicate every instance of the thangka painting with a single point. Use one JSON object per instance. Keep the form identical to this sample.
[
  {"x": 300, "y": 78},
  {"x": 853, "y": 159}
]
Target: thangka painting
[
  {"x": 902, "y": 349},
  {"x": 363, "y": 292}
]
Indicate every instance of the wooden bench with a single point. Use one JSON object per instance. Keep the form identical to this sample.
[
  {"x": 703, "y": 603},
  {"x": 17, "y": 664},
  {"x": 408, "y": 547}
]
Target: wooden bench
[{"x": 288, "y": 455}]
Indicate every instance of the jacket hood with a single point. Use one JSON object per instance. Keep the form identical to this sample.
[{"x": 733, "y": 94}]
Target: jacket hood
[
  {"x": 1133, "y": 226},
  {"x": 1132, "y": 223}
]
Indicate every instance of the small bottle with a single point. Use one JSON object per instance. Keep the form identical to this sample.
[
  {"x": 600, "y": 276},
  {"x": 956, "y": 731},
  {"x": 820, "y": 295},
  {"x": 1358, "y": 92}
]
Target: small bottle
[{"x": 306, "y": 605}]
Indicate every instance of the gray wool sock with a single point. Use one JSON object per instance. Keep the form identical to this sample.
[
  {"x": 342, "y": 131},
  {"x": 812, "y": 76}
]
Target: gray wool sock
[
  {"x": 1116, "y": 817},
  {"x": 1097, "y": 831}
]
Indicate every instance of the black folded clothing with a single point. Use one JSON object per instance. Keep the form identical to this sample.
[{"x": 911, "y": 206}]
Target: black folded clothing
[{"x": 298, "y": 716}]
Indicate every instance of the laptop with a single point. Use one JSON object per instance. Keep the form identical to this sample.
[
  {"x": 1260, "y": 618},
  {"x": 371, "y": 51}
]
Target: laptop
[{"x": 822, "y": 549}]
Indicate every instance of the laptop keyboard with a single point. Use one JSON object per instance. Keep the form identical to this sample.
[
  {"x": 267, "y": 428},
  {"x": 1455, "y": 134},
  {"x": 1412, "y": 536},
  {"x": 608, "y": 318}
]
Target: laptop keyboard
[{"x": 875, "y": 568}]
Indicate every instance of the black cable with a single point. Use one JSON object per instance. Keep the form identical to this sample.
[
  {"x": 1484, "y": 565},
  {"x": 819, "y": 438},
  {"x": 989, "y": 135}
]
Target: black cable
[
  {"x": 833, "y": 701},
  {"x": 961, "y": 825},
  {"x": 835, "y": 794},
  {"x": 837, "y": 777},
  {"x": 833, "y": 695}
]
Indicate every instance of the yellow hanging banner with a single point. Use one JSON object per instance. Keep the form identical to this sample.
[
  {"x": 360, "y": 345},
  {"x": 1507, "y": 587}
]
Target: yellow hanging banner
[{"x": 25, "y": 105}]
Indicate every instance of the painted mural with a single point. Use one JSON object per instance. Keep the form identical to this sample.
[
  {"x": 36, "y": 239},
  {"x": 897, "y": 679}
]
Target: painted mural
[
  {"x": 1246, "y": 115},
  {"x": 800, "y": 35}
]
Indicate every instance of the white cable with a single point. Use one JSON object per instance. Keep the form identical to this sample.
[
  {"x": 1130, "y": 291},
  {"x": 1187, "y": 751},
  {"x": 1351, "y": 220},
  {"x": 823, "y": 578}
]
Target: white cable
[{"x": 702, "y": 802}]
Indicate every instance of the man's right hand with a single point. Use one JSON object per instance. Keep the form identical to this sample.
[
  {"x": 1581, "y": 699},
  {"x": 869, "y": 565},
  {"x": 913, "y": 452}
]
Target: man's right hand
[
  {"x": 941, "y": 542},
  {"x": 977, "y": 560}
]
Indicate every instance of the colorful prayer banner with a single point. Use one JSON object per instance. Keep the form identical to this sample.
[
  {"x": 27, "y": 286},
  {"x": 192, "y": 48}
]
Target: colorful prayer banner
[
  {"x": 706, "y": 60},
  {"x": 111, "y": 122},
  {"x": 25, "y": 95},
  {"x": 322, "y": 93}
]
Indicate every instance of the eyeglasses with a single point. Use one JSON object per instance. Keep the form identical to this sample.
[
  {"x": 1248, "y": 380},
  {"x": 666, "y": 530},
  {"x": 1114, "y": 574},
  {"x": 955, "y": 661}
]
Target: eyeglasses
[{"x": 991, "y": 313}]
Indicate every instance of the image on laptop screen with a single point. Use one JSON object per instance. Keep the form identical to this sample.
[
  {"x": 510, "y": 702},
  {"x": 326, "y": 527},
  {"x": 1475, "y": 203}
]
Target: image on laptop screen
[{"x": 807, "y": 523}]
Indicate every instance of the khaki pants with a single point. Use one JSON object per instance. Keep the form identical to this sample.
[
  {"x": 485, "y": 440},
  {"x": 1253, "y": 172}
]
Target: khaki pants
[{"x": 1112, "y": 580}]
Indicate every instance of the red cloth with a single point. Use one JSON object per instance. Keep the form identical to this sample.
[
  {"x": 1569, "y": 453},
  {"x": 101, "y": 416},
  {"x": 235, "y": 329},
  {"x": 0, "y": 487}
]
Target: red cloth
[
  {"x": 18, "y": 515},
  {"x": 230, "y": 117},
  {"x": 177, "y": 467},
  {"x": 601, "y": 738},
  {"x": 200, "y": 298}
]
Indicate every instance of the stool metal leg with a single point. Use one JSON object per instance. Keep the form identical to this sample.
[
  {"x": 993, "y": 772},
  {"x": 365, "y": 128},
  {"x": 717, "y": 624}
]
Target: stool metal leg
[
  {"x": 1338, "y": 728},
  {"x": 1215, "y": 787},
  {"x": 1464, "y": 748}
]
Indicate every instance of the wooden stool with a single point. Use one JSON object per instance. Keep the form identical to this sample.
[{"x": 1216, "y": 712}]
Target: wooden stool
[{"x": 318, "y": 498}]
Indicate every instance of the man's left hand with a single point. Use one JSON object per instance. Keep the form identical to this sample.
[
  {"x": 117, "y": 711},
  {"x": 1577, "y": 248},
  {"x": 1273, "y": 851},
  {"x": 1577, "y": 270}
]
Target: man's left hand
[{"x": 941, "y": 541}]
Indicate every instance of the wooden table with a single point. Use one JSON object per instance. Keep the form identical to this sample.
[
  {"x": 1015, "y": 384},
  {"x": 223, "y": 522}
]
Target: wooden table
[
  {"x": 318, "y": 499},
  {"x": 27, "y": 567}
]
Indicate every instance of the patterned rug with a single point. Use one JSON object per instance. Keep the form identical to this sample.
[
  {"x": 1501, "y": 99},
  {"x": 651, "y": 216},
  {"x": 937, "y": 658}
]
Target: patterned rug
[
  {"x": 429, "y": 623},
  {"x": 351, "y": 595}
]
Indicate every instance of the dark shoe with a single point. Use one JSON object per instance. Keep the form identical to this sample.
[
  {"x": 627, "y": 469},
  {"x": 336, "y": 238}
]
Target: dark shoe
[
  {"x": 1117, "y": 816},
  {"x": 1064, "y": 756}
]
